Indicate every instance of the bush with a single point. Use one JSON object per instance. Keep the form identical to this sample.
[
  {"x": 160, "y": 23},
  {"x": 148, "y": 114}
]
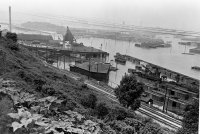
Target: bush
[
  {"x": 48, "y": 89},
  {"x": 89, "y": 101},
  {"x": 101, "y": 110},
  {"x": 121, "y": 127},
  {"x": 12, "y": 36},
  {"x": 151, "y": 128},
  {"x": 26, "y": 76},
  {"x": 190, "y": 119},
  {"x": 136, "y": 105},
  {"x": 137, "y": 124},
  {"x": 118, "y": 113},
  {"x": 84, "y": 86},
  {"x": 13, "y": 46}
]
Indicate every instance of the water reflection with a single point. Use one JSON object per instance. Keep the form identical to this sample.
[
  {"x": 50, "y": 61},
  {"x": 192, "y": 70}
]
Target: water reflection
[{"x": 170, "y": 58}]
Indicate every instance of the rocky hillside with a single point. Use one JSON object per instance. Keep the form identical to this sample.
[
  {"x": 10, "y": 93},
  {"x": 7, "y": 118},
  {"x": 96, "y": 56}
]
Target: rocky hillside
[{"x": 35, "y": 98}]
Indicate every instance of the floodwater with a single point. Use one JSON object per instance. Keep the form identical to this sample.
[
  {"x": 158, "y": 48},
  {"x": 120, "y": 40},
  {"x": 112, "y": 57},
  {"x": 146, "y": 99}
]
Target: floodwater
[{"x": 170, "y": 58}]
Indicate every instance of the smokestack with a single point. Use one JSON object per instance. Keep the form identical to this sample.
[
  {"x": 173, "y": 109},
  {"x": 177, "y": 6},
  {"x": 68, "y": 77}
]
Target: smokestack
[{"x": 10, "y": 18}]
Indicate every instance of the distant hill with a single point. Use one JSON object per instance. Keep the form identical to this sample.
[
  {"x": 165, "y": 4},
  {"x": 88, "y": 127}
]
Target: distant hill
[{"x": 45, "y": 26}]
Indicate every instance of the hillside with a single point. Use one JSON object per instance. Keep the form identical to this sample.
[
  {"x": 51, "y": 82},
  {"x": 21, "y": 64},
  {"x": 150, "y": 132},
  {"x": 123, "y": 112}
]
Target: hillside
[{"x": 35, "y": 98}]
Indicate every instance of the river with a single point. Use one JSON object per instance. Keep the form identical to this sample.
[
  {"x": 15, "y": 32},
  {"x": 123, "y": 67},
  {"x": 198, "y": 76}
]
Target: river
[{"x": 170, "y": 58}]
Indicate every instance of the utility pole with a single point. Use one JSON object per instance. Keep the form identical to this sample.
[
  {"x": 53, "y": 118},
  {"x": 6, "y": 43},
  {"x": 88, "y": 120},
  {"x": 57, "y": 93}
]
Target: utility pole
[
  {"x": 57, "y": 58},
  {"x": 64, "y": 62},
  {"x": 165, "y": 99},
  {"x": 89, "y": 69},
  {"x": 10, "y": 19},
  {"x": 167, "y": 103}
]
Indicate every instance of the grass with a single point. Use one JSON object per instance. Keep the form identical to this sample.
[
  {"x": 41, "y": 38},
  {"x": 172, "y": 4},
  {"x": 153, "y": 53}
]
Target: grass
[{"x": 32, "y": 76}]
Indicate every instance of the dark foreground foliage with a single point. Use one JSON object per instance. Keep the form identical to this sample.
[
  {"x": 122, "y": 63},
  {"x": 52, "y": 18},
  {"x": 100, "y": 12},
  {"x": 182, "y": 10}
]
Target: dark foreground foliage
[{"x": 190, "y": 119}]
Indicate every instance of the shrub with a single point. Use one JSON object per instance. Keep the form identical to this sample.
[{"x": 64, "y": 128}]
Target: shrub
[
  {"x": 146, "y": 120},
  {"x": 117, "y": 125},
  {"x": 118, "y": 113},
  {"x": 190, "y": 119},
  {"x": 128, "y": 130},
  {"x": 136, "y": 105},
  {"x": 107, "y": 129},
  {"x": 47, "y": 89},
  {"x": 121, "y": 127},
  {"x": 12, "y": 36},
  {"x": 13, "y": 46},
  {"x": 101, "y": 110},
  {"x": 89, "y": 101},
  {"x": 137, "y": 124},
  {"x": 26, "y": 76},
  {"x": 150, "y": 128},
  {"x": 84, "y": 86}
]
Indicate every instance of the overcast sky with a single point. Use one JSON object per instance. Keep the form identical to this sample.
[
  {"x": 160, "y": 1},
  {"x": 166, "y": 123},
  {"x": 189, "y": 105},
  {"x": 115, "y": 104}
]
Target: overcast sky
[{"x": 179, "y": 14}]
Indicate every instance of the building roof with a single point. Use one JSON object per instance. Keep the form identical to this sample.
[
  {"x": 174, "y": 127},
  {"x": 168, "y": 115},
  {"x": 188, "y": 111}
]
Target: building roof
[{"x": 94, "y": 67}]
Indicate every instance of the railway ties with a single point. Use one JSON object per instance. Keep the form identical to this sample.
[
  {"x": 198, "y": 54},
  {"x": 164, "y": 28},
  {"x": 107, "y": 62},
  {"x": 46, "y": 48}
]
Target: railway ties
[{"x": 154, "y": 114}]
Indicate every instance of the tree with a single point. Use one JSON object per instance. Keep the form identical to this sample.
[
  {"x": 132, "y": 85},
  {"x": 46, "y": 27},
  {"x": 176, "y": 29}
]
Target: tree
[
  {"x": 101, "y": 110},
  {"x": 12, "y": 36},
  {"x": 190, "y": 119},
  {"x": 89, "y": 101},
  {"x": 129, "y": 92}
]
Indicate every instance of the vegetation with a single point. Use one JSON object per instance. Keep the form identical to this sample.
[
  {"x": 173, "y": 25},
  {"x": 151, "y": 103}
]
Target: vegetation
[
  {"x": 101, "y": 110},
  {"x": 35, "y": 98},
  {"x": 89, "y": 101},
  {"x": 12, "y": 36},
  {"x": 191, "y": 119},
  {"x": 129, "y": 92}
]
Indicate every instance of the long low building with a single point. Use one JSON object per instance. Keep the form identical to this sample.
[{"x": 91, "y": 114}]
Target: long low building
[
  {"x": 169, "y": 90},
  {"x": 195, "y": 50}
]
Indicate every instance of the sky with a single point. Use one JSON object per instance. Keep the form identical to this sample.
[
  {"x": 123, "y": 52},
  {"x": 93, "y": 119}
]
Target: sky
[{"x": 175, "y": 14}]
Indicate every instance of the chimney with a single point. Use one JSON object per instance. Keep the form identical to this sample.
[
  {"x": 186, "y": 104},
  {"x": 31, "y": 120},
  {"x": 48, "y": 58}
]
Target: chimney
[{"x": 10, "y": 18}]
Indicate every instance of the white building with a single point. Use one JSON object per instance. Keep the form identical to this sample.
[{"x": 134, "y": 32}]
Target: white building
[{"x": 56, "y": 36}]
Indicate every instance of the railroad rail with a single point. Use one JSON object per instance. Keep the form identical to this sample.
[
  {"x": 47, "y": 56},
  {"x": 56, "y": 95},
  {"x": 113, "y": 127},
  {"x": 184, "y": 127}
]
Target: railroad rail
[{"x": 156, "y": 115}]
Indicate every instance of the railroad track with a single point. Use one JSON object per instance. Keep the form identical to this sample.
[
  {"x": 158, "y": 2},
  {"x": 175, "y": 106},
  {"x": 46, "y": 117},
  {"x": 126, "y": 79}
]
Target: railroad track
[
  {"x": 156, "y": 115},
  {"x": 159, "y": 119},
  {"x": 162, "y": 115}
]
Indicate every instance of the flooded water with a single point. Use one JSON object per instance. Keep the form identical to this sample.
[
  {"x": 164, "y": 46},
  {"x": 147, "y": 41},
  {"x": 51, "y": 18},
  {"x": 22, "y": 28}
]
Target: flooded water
[{"x": 170, "y": 58}]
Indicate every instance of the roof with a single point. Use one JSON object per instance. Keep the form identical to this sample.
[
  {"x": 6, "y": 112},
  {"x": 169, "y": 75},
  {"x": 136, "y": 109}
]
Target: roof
[
  {"x": 68, "y": 36},
  {"x": 94, "y": 67},
  {"x": 86, "y": 49}
]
